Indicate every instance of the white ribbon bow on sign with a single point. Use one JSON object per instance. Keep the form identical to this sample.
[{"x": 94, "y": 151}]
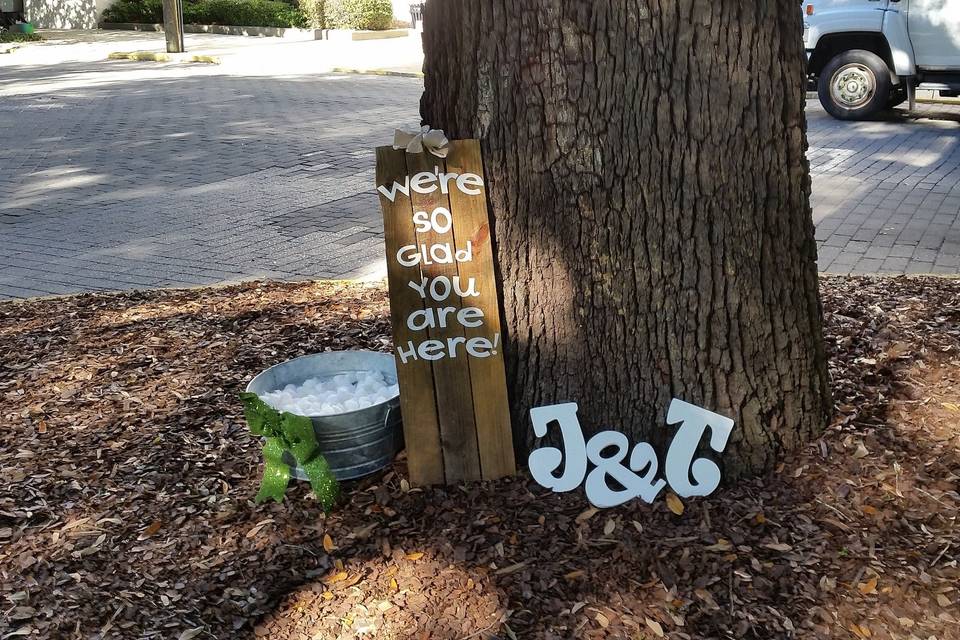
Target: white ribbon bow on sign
[{"x": 433, "y": 140}]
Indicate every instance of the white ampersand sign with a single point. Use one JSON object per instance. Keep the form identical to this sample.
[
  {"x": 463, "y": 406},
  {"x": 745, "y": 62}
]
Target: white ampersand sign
[
  {"x": 599, "y": 492},
  {"x": 685, "y": 475}
]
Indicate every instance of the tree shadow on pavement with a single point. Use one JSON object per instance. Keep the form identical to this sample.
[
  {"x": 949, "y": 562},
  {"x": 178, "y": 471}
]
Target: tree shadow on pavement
[{"x": 175, "y": 175}]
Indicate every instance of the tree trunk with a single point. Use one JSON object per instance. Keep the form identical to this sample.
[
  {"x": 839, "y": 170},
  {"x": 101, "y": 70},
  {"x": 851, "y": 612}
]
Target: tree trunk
[
  {"x": 173, "y": 25},
  {"x": 650, "y": 195}
]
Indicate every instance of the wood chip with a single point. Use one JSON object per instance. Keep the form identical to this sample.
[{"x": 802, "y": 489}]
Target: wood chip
[{"x": 131, "y": 514}]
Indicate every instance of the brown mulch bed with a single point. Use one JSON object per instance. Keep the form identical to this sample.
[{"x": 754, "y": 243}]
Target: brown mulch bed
[{"x": 127, "y": 476}]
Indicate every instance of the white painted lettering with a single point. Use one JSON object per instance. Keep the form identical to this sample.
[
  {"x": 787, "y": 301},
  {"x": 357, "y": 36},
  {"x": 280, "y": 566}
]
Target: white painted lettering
[
  {"x": 644, "y": 457},
  {"x": 479, "y": 347},
  {"x": 545, "y": 460},
  {"x": 684, "y": 474},
  {"x": 470, "y": 291},
  {"x": 420, "y": 319},
  {"x": 452, "y": 344},
  {"x": 408, "y": 255},
  {"x": 442, "y": 314},
  {"x": 391, "y": 193},
  {"x": 435, "y": 220},
  {"x": 598, "y": 489},
  {"x": 419, "y": 180},
  {"x": 419, "y": 288},
  {"x": 431, "y": 349},
  {"x": 411, "y": 352},
  {"x": 421, "y": 221},
  {"x": 469, "y": 180},
  {"x": 441, "y": 254},
  {"x": 445, "y": 179},
  {"x": 440, "y": 288},
  {"x": 465, "y": 254},
  {"x": 471, "y": 317}
]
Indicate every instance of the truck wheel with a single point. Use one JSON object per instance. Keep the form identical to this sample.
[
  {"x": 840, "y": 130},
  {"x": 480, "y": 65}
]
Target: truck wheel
[{"x": 854, "y": 85}]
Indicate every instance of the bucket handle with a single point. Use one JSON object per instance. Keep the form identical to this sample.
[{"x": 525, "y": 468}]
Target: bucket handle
[{"x": 386, "y": 418}]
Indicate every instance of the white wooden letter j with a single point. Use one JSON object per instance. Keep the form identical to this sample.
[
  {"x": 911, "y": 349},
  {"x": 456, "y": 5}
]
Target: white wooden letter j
[{"x": 545, "y": 460}]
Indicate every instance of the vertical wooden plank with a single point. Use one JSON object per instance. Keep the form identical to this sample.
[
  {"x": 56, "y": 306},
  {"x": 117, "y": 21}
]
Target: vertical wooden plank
[
  {"x": 487, "y": 375},
  {"x": 458, "y": 432},
  {"x": 453, "y": 384},
  {"x": 421, "y": 428}
]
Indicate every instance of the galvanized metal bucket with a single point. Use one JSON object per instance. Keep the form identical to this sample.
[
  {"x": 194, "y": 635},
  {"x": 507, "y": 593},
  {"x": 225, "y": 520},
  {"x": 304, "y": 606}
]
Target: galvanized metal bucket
[{"x": 356, "y": 443}]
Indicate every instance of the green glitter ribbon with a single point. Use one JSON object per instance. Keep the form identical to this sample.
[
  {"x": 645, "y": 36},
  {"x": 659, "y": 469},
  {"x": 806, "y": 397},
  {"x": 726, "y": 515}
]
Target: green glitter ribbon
[{"x": 287, "y": 432}]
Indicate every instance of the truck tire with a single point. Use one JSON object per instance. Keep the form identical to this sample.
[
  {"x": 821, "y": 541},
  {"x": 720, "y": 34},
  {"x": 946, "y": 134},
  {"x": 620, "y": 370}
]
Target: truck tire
[{"x": 854, "y": 85}]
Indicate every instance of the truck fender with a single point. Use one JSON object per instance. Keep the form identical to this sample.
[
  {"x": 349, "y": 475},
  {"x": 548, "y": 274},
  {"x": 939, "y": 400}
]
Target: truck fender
[
  {"x": 898, "y": 38},
  {"x": 843, "y": 20}
]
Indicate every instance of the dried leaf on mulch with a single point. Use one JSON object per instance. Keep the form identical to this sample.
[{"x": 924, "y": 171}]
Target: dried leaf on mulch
[{"x": 128, "y": 477}]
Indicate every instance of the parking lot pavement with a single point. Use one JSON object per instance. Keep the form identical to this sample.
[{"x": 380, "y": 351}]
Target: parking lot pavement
[
  {"x": 139, "y": 175},
  {"x": 886, "y": 193},
  {"x": 134, "y": 175},
  {"x": 249, "y": 56}
]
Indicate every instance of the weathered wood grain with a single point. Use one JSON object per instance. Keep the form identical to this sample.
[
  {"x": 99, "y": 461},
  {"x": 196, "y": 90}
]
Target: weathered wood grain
[
  {"x": 451, "y": 376},
  {"x": 487, "y": 376},
  {"x": 421, "y": 429}
]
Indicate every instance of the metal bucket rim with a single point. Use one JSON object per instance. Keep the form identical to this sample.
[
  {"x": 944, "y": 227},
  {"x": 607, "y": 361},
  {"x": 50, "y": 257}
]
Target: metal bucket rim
[{"x": 389, "y": 400}]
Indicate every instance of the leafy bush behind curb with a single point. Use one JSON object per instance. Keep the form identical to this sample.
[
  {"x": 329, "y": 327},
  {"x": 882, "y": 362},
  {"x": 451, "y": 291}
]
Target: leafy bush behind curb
[
  {"x": 360, "y": 14},
  {"x": 245, "y": 13},
  {"x": 249, "y": 13},
  {"x": 15, "y": 36},
  {"x": 145, "y": 11},
  {"x": 314, "y": 12}
]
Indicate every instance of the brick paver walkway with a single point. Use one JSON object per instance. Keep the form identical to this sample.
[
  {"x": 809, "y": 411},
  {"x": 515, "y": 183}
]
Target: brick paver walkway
[
  {"x": 886, "y": 194},
  {"x": 136, "y": 175},
  {"x": 149, "y": 176}
]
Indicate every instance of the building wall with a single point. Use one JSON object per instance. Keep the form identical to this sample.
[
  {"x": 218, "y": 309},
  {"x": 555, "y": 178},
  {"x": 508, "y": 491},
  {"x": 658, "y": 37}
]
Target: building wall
[
  {"x": 65, "y": 14},
  {"x": 401, "y": 10}
]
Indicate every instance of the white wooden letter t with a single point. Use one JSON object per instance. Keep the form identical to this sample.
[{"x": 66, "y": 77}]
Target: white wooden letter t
[{"x": 681, "y": 468}]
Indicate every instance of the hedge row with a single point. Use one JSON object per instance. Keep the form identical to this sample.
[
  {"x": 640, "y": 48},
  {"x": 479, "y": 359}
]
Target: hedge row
[
  {"x": 248, "y": 13},
  {"x": 318, "y": 14},
  {"x": 360, "y": 14}
]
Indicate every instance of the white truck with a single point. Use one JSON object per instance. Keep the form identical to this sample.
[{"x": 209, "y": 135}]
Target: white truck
[{"x": 869, "y": 55}]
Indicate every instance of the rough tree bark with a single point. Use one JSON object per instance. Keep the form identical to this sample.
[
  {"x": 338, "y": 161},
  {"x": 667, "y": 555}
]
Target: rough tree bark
[
  {"x": 650, "y": 195},
  {"x": 173, "y": 25}
]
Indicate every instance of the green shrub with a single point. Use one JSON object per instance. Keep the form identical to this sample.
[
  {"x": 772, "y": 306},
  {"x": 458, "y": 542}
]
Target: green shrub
[
  {"x": 245, "y": 13},
  {"x": 143, "y": 11},
  {"x": 16, "y": 36},
  {"x": 314, "y": 12},
  {"x": 241, "y": 13},
  {"x": 360, "y": 14}
]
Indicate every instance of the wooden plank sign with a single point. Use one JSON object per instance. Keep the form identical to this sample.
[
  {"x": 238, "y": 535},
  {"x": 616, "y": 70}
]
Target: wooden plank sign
[{"x": 445, "y": 313}]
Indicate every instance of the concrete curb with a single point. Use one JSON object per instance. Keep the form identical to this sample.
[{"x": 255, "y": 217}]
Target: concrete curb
[
  {"x": 287, "y": 33},
  {"x": 938, "y": 100},
  {"x": 923, "y": 99},
  {"x": 158, "y": 56},
  {"x": 379, "y": 72},
  {"x": 193, "y": 287},
  {"x": 358, "y": 35}
]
